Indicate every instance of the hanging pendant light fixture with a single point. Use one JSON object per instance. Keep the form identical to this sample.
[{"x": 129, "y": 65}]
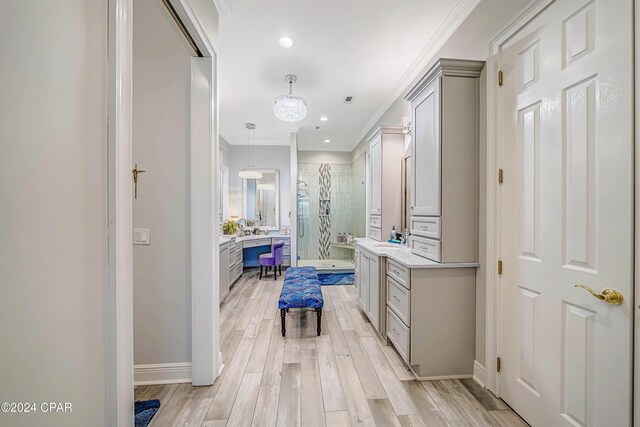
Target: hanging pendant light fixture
[
  {"x": 290, "y": 108},
  {"x": 250, "y": 171}
]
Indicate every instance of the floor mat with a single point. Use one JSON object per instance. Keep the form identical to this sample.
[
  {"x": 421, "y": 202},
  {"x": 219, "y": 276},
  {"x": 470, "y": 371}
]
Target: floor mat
[
  {"x": 144, "y": 411},
  {"x": 337, "y": 278}
]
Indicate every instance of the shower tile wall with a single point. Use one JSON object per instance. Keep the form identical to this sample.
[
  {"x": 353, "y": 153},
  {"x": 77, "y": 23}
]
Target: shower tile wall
[{"x": 313, "y": 244}]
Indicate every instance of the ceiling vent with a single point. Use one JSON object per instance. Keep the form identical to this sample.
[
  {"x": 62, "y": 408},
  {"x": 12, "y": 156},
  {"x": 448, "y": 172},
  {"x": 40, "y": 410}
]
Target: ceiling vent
[{"x": 348, "y": 100}]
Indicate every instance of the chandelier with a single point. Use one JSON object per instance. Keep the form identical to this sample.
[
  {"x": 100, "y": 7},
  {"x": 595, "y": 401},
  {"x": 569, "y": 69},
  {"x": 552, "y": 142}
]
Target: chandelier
[
  {"x": 290, "y": 108},
  {"x": 250, "y": 172}
]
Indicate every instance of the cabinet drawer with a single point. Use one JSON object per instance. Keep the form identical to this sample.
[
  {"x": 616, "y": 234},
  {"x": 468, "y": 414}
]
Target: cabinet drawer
[
  {"x": 375, "y": 221},
  {"x": 256, "y": 243},
  {"x": 286, "y": 260},
  {"x": 235, "y": 256},
  {"x": 235, "y": 273},
  {"x": 399, "y": 300},
  {"x": 398, "y": 333},
  {"x": 286, "y": 240},
  {"x": 398, "y": 272},
  {"x": 426, "y": 227},
  {"x": 426, "y": 247},
  {"x": 375, "y": 233}
]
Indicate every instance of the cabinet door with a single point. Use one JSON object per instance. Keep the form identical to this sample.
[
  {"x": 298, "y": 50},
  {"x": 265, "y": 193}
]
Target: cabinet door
[
  {"x": 425, "y": 152},
  {"x": 224, "y": 271},
  {"x": 364, "y": 281},
  {"x": 357, "y": 272},
  {"x": 374, "y": 291},
  {"x": 376, "y": 176}
]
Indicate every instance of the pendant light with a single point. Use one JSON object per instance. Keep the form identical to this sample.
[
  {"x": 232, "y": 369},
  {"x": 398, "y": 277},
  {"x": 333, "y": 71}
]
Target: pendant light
[
  {"x": 290, "y": 108},
  {"x": 250, "y": 171}
]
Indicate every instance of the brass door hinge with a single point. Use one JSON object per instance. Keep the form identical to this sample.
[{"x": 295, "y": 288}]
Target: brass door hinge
[
  {"x": 498, "y": 364},
  {"x": 500, "y": 78},
  {"x": 500, "y": 176},
  {"x": 499, "y": 267}
]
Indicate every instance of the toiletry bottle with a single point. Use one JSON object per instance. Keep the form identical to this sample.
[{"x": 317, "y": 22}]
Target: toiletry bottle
[{"x": 393, "y": 232}]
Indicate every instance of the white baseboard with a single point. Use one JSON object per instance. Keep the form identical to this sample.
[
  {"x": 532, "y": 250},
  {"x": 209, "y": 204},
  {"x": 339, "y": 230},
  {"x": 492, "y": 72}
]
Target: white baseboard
[
  {"x": 162, "y": 373},
  {"x": 479, "y": 373}
]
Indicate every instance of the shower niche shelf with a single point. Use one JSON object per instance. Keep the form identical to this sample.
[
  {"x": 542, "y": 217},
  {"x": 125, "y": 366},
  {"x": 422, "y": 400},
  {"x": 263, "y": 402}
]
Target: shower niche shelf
[{"x": 325, "y": 207}]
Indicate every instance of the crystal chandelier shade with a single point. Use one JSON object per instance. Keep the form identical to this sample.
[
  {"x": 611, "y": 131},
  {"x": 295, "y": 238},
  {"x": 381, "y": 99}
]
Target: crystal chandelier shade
[
  {"x": 249, "y": 173},
  {"x": 290, "y": 108}
]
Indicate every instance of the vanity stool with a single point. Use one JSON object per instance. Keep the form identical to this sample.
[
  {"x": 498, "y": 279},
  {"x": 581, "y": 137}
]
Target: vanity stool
[{"x": 273, "y": 259}]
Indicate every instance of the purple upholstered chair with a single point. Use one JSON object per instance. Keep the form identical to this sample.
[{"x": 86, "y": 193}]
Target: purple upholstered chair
[{"x": 274, "y": 259}]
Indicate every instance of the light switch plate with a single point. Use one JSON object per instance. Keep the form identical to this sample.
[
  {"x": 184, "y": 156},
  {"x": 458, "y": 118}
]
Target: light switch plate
[{"x": 141, "y": 236}]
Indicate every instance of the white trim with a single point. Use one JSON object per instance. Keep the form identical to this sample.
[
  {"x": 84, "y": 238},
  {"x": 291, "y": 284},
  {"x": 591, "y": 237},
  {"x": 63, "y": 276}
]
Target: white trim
[
  {"x": 493, "y": 195},
  {"x": 223, "y": 7},
  {"x": 448, "y": 27},
  {"x": 194, "y": 26},
  {"x": 293, "y": 188},
  {"x": 204, "y": 181},
  {"x": 479, "y": 373},
  {"x": 162, "y": 373},
  {"x": 120, "y": 266},
  {"x": 636, "y": 278},
  {"x": 530, "y": 11}
]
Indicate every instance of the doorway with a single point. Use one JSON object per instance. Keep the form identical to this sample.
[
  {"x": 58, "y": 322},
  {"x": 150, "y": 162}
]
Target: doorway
[
  {"x": 566, "y": 146},
  {"x": 203, "y": 182}
]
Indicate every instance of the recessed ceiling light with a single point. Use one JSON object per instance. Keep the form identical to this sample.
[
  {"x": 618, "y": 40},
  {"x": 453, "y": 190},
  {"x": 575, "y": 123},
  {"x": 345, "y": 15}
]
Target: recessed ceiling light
[
  {"x": 327, "y": 140},
  {"x": 324, "y": 118},
  {"x": 286, "y": 41}
]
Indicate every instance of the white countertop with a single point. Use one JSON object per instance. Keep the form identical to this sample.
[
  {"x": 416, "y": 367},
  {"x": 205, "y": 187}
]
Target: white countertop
[
  {"x": 403, "y": 255},
  {"x": 224, "y": 239}
]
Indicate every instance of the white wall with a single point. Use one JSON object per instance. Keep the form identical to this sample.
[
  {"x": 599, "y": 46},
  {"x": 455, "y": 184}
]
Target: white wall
[
  {"x": 469, "y": 41},
  {"x": 265, "y": 157},
  {"x": 53, "y": 209},
  {"x": 161, "y": 104}
]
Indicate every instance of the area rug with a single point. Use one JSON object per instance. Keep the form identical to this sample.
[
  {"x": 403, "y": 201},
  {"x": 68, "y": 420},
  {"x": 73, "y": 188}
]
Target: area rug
[
  {"x": 145, "y": 410},
  {"x": 327, "y": 279}
]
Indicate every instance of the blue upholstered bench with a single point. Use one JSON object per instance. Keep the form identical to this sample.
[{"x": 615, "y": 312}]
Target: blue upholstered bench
[{"x": 301, "y": 289}]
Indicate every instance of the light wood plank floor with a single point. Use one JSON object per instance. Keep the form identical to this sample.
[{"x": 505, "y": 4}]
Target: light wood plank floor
[{"x": 346, "y": 376}]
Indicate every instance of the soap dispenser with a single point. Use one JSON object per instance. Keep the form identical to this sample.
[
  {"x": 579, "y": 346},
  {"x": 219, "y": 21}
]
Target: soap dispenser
[{"x": 393, "y": 232}]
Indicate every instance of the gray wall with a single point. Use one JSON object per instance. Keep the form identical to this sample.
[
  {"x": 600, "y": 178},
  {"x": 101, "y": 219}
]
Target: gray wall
[
  {"x": 265, "y": 157},
  {"x": 161, "y": 271},
  {"x": 53, "y": 209},
  {"x": 469, "y": 41},
  {"x": 332, "y": 157}
]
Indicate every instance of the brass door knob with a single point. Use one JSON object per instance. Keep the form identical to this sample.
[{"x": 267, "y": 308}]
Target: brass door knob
[{"x": 608, "y": 295}]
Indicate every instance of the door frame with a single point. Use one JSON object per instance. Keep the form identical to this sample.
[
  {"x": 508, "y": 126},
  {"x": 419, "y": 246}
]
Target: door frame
[
  {"x": 119, "y": 293},
  {"x": 494, "y": 201}
]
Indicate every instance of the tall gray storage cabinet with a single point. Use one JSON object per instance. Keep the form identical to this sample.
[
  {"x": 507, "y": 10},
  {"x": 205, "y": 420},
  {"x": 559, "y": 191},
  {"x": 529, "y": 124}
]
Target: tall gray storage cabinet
[{"x": 444, "y": 162}]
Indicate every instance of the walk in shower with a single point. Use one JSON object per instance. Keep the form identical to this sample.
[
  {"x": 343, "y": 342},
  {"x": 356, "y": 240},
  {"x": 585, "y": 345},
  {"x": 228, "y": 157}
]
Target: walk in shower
[{"x": 331, "y": 204}]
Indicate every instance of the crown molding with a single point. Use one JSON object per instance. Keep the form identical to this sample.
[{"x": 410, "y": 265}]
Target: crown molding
[
  {"x": 446, "y": 67},
  {"x": 448, "y": 27},
  {"x": 223, "y": 7}
]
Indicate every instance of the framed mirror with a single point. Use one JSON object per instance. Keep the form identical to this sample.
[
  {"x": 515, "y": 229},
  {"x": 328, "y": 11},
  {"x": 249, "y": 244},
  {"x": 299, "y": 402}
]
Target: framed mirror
[{"x": 261, "y": 200}]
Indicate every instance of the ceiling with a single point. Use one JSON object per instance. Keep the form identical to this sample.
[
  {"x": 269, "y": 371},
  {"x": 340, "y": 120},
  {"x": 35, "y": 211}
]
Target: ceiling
[{"x": 343, "y": 48}]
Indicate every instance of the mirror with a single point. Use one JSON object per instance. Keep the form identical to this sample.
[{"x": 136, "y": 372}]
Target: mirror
[{"x": 261, "y": 200}]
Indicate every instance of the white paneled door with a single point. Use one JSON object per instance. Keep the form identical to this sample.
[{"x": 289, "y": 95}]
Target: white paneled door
[{"x": 566, "y": 137}]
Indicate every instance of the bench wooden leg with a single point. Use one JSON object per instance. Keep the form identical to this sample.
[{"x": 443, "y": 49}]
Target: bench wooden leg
[
  {"x": 260, "y": 272},
  {"x": 319, "y": 312},
  {"x": 283, "y": 314}
]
